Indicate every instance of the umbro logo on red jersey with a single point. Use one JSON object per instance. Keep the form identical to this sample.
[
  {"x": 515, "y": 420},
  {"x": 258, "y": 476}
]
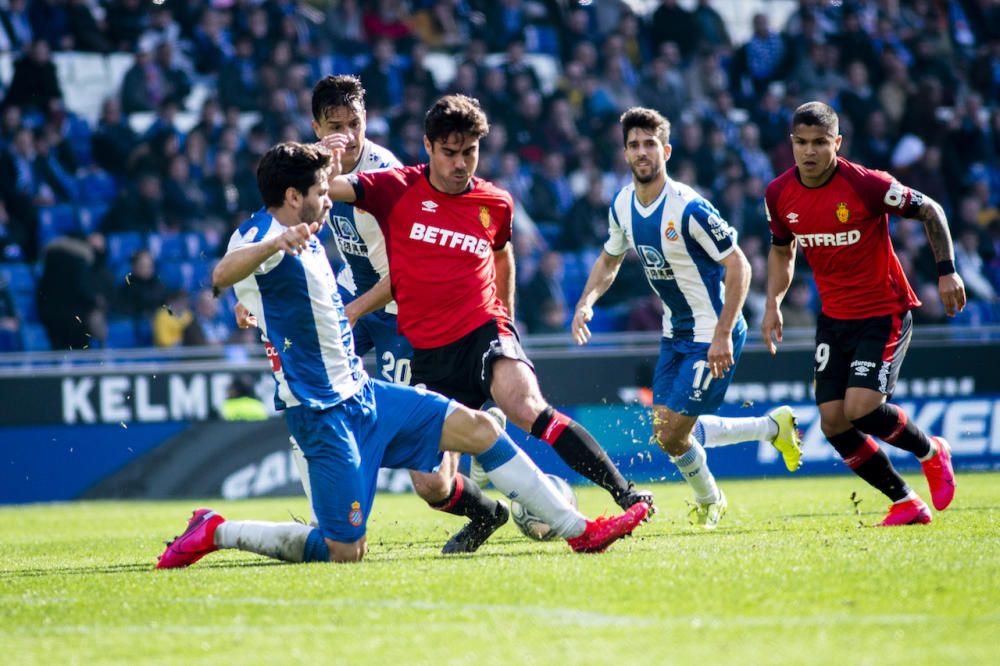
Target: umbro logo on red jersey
[
  {"x": 428, "y": 206},
  {"x": 793, "y": 218}
]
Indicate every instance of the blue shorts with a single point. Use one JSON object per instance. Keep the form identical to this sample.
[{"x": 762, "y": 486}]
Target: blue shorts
[
  {"x": 384, "y": 425},
  {"x": 393, "y": 352},
  {"x": 683, "y": 381}
]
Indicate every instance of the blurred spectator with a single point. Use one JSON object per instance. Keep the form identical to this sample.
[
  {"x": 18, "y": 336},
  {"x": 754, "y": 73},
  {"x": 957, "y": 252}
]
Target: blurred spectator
[
  {"x": 172, "y": 320},
  {"x": 383, "y": 78},
  {"x": 971, "y": 266},
  {"x": 211, "y": 325},
  {"x": 241, "y": 403},
  {"x": 113, "y": 141},
  {"x": 183, "y": 199},
  {"x": 225, "y": 195},
  {"x": 238, "y": 83},
  {"x": 127, "y": 19},
  {"x": 10, "y": 323},
  {"x": 66, "y": 294},
  {"x": 29, "y": 170},
  {"x": 765, "y": 58},
  {"x": 586, "y": 223},
  {"x": 16, "y": 25},
  {"x": 673, "y": 23},
  {"x": 14, "y": 245},
  {"x": 139, "y": 207},
  {"x": 141, "y": 293},
  {"x": 551, "y": 195},
  {"x": 85, "y": 33},
  {"x": 796, "y": 309},
  {"x": 34, "y": 82},
  {"x": 712, "y": 31},
  {"x": 542, "y": 297},
  {"x": 645, "y": 314}
]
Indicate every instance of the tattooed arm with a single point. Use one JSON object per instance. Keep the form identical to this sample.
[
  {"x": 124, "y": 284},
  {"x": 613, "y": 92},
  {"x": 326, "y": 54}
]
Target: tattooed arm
[{"x": 950, "y": 284}]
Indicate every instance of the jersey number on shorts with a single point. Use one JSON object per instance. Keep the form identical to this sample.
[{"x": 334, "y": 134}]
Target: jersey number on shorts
[
  {"x": 396, "y": 370},
  {"x": 822, "y": 356},
  {"x": 701, "y": 372}
]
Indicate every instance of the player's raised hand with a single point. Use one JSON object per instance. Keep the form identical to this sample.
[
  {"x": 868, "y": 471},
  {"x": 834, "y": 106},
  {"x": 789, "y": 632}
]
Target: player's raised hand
[
  {"x": 336, "y": 144},
  {"x": 952, "y": 290},
  {"x": 720, "y": 355},
  {"x": 581, "y": 333},
  {"x": 244, "y": 318},
  {"x": 771, "y": 328},
  {"x": 296, "y": 239}
]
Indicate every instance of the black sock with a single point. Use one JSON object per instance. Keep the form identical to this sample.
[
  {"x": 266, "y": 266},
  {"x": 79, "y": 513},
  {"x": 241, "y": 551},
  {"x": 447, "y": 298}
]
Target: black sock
[
  {"x": 579, "y": 450},
  {"x": 889, "y": 423},
  {"x": 869, "y": 462},
  {"x": 467, "y": 499}
]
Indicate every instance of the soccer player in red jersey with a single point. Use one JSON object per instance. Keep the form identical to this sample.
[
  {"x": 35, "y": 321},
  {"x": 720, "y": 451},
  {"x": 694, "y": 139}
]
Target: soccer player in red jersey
[
  {"x": 838, "y": 212},
  {"x": 451, "y": 268}
]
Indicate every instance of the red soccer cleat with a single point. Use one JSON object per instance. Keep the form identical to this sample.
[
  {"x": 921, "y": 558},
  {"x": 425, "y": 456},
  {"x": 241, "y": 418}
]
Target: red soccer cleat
[
  {"x": 602, "y": 532},
  {"x": 940, "y": 475},
  {"x": 197, "y": 541},
  {"x": 911, "y": 512}
]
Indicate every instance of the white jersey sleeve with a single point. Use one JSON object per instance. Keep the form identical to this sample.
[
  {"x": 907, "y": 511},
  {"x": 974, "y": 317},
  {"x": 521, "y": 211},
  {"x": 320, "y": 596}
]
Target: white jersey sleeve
[
  {"x": 618, "y": 242},
  {"x": 244, "y": 237},
  {"x": 710, "y": 231}
]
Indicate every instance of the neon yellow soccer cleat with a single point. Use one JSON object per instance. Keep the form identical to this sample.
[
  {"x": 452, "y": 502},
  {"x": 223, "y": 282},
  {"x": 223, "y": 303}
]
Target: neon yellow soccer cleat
[
  {"x": 787, "y": 441},
  {"x": 708, "y": 515}
]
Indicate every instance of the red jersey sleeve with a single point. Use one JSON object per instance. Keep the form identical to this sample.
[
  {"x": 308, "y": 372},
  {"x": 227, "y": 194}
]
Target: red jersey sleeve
[
  {"x": 780, "y": 233},
  {"x": 378, "y": 191},
  {"x": 506, "y": 226},
  {"x": 881, "y": 192}
]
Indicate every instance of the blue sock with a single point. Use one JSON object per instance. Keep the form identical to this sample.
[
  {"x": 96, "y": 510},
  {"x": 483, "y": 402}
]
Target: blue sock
[
  {"x": 502, "y": 451},
  {"x": 316, "y": 549}
]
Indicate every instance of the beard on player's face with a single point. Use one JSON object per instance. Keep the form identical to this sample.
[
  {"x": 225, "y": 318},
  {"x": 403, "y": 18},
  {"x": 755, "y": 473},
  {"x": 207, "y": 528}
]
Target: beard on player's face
[{"x": 652, "y": 174}]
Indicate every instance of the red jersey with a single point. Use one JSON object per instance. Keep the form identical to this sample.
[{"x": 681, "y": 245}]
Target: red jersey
[
  {"x": 842, "y": 227},
  {"x": 440, "y": 249}
]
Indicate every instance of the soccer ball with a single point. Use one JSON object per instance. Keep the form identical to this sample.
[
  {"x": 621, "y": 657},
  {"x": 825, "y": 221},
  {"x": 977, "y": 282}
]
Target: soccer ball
[{"x": 531, "y": 525}]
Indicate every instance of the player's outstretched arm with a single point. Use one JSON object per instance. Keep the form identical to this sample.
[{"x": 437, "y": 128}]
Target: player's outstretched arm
[
  {"x": 950, "y": 284},
  {"x": 238, "y": 264},
  {"x": 780, "y": 268},
  {"x": 377, "y": 297},
  {"x": 737, "y": 283},
  {"x": 601, "y": 277}
]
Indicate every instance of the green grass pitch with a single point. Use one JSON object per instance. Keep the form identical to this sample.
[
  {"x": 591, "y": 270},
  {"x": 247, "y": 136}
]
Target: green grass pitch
[{"x": 788, "y": 578}]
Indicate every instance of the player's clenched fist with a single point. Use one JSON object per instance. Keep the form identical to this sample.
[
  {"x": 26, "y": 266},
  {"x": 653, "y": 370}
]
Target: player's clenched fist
[
  {"x": 296, "y": 239},
  {"x": 581, "y": 333},
  {"x": 244, "y": 318},
  {"x": 336, "y": 144}
]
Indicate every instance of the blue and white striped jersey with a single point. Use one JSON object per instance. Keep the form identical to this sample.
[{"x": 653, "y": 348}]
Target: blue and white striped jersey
[
  {"x": 358, "y": 235},
  {"x": 301, "y": 316},
  {"x": 680, "y": 239}
]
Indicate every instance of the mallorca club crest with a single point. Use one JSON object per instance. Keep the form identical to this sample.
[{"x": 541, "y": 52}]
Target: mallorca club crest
[
  {"x": 484, "y": 217},
  {"x": 671, "y": 232},
  {"x": 355, "y": 517},
  {"x": 843, "y": 214}
]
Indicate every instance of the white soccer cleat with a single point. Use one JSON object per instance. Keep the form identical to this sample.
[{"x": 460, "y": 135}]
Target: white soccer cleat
[{"x": 708, "y": 515}]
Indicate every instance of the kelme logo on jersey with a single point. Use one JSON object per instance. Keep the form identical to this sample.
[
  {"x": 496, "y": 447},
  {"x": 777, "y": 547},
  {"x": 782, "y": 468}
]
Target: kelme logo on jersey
[
  {"x": 484, "y": 217},
  {"x": 654, "y": 264},
  {"x": 671, "y": 232},
  {"x": 348, "y": 239},
  {"x": 355, "y": 516},
  {"x": 843, "y": 214}
]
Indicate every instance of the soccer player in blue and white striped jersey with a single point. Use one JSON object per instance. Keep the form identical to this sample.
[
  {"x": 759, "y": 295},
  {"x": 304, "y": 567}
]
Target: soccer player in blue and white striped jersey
[
  {"x": 694, "y": 265},
  {"x": 347, "y": 424}
]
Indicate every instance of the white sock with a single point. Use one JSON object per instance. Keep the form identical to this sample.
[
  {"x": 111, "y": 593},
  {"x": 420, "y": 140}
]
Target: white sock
[
  {"x": 712, "y": 431},
  {"x": 693, "y": 465},
  {"x": 303, "y": 466},
  {"x": 282, "y": 541},
  {"x": 520, "y": 479},
  {"x": 931, "y": 453}
]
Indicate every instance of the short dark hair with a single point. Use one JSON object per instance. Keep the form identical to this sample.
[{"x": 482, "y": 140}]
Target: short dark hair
[
  {"x": 817, "y": 114},
  {"x": 290, "y": 164},
  {"x": 455, "y": 114},
  {"x": 647, "y": 119},
  {"x": 332, "y": 92}
]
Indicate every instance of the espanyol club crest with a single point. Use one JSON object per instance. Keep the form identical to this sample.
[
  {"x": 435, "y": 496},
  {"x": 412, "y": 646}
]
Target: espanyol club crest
[
  {"x": 484, "y": 216},
  {"x": 355, "y": 516},
  {"x": 843, "y": 214},
  {"x": 671, "y": 232}
]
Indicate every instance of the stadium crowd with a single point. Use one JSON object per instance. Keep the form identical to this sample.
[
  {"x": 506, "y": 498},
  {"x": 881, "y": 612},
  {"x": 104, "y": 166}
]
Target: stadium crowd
[{"x": 116, "y": 229}]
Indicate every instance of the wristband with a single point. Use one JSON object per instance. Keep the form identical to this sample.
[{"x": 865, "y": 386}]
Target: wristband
[{"x": 945, "y": 267}]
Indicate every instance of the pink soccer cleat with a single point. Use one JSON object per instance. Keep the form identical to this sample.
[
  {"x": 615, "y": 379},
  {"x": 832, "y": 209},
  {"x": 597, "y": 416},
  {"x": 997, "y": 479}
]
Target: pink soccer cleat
[
  {"x": 911, "y": 512},
  {"x": 602, "y": 532},
  {"x": 940, "y": 475},
  {"x": 197, "y": 541}
]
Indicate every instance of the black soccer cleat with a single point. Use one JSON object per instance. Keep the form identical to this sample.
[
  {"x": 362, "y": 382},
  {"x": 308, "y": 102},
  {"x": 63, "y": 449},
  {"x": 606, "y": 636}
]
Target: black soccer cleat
[
  {"x": 634, "y": 496},
  {"x": 476, "y": 532}
]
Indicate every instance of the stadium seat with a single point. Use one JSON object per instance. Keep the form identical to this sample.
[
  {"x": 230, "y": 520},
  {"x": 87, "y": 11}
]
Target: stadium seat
[
  {"x": 122, "y": 334},
  {"x": 167, "y": 247},
  {"x": 19, "y": 277},
  {"x": 27, "y": 305},
  {"x": 608, "y": 319},
  {"x": 122, "y": 245},
  {"x": 54, "y": 221},
  {"x": 90, "y": 216},
  {"x": 34, "y": 338},
  {"x": 97, "y": 188}
]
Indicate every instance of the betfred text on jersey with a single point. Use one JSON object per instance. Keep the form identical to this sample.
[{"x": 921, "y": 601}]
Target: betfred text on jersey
[
  {"x": 829, "y": 240},
  {"x": 451, "y": 239}
]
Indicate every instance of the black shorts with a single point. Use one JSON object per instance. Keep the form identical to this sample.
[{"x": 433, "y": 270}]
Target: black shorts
[
  {"x": 463, "y": 370},
  {"x": 865, "y": 353}
]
